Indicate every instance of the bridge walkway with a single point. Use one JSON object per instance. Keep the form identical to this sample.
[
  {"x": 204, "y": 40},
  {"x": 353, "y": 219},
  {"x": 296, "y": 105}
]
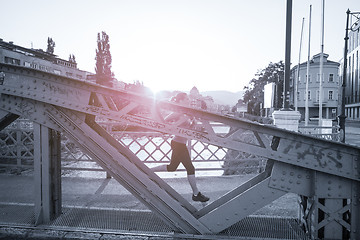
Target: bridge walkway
[{"x": 96, "y": 208}]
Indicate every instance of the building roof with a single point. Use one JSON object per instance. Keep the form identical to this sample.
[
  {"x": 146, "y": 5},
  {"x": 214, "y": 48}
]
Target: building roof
[
  {"x": 39, "y": 53},
  {"x": 315, "y": 60}
]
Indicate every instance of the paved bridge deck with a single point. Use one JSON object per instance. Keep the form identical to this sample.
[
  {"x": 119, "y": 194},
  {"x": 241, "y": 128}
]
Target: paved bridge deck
[
  {"x": 100, "y": 223},
  {"x": 97, "y": 208}
]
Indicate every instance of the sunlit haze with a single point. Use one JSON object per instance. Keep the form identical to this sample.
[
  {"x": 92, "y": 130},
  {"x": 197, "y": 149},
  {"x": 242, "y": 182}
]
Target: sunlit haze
[{"x": 177, "y": 44}]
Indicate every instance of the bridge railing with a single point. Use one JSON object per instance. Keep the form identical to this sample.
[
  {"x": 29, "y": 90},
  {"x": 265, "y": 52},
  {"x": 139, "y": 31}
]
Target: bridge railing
[
  {"x": 329, "y": 133},
  {"x": 17, "y": 151}
]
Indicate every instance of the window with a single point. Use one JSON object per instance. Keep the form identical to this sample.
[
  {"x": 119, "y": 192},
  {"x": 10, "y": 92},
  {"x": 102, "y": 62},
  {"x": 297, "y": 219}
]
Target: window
[
  {"x": 308, "y": 94},
  {"x": 331, "y": 94},
  {"x": 331, "y": 77},
  {"x": 34, "y": 65},
  {"x": 309, "y": 78},
  {"x": 318, "y": 77},
  {"x": 317, "y": 95},
  {"x": 298, "y": 95},
  {"x": 12, "y": 61}
]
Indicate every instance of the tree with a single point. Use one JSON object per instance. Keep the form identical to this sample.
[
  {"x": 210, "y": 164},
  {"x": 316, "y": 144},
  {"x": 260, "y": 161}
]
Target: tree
[
  {"x": 254, "y": 94},
  {"x": 50, "y": 46},
  {"x": 103, "y": 71},
  {"x": 139, "y": 87}
]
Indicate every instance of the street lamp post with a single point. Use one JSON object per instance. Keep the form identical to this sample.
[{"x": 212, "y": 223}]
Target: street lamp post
[{"x": 342, "y": 115}]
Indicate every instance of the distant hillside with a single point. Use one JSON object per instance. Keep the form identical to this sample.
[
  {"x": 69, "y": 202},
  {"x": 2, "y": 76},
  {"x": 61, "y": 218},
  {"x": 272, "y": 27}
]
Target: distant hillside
[{"x": 224, "y": 97}]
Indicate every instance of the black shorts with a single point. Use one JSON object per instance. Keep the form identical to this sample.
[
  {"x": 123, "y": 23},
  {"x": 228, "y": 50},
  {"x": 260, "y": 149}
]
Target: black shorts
[{"x": 180, "y": 154}]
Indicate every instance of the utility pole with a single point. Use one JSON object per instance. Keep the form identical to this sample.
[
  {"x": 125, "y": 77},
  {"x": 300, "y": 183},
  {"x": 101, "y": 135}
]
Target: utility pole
[
  {"x": 307, "y": 76},
  {"x": 298, "y": 69},
  {"x": 286, "y": 117},
  {"x": 286, "y": 100},
  {"x": 321, "y": 63}
]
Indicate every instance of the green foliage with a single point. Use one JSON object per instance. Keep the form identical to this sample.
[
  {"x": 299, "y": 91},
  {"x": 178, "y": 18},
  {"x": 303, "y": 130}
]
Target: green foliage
[
  {"x": 103, "y": 59},
  {"x": 254, "y": 93}
]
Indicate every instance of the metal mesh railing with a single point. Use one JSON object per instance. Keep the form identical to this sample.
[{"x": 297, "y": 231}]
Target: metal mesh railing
[
  {"x": 17, "y": 151},
  {"x": 331, "y": 133}
]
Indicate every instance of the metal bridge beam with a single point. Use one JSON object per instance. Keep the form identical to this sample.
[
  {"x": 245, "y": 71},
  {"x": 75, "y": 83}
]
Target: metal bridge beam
[
  {"x": 242, "y": 205},
  {"x": 47, "y": 174},
  {"x": 160, "y": 198},
  {"x": 6, "y": 118},
  {"x": 302, "y": 164}
]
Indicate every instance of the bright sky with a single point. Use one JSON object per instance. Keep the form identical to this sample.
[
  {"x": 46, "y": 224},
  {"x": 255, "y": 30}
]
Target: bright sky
[{"x": 177, "y": 44}]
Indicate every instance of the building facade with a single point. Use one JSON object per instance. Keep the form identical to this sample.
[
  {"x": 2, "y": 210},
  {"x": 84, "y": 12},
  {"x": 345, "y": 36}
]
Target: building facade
[
  {"x": 352, "y": 88},
  {"x": 330, "y": 88},
  {"x": 40, "y": 60}
]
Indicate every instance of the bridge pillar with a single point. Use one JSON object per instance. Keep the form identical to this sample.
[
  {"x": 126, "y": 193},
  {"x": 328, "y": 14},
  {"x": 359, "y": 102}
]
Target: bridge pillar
[
  {"x": 47, "y": 173},
  {"x": 331, "y": 209},
  {"x": 287, "y": 119}
]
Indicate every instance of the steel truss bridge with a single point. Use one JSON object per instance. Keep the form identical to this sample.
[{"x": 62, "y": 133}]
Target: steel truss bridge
[{"x": 325, "y": 174}]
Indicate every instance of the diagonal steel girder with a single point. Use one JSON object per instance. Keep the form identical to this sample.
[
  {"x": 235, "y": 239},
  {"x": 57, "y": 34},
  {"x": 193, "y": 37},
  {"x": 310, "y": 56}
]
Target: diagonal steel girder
[
  {"x": 75, "y": 101},
  {"x": 119, "y": 161},
  {"x": 294, "y": 148}
]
